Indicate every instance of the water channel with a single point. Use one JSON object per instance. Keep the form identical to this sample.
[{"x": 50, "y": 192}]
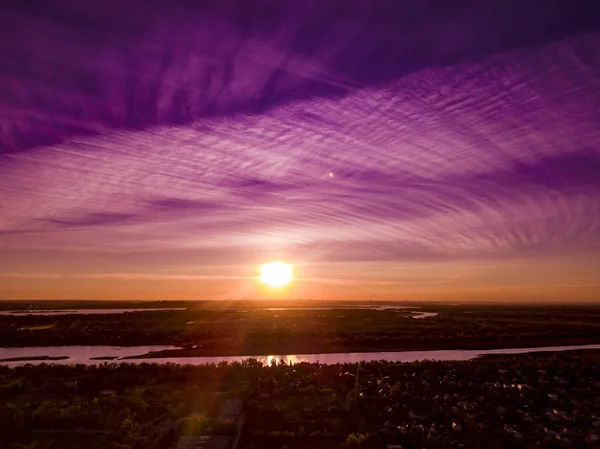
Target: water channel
[{"x": 89, "y": 355}]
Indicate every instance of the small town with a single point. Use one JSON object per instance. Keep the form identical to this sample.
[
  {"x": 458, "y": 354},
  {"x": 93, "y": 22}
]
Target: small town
[{"x": 526, "y": 401}]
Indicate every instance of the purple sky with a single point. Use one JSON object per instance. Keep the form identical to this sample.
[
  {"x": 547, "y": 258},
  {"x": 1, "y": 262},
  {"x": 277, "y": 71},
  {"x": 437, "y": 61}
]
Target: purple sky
[{"x": 162, "y": 150}]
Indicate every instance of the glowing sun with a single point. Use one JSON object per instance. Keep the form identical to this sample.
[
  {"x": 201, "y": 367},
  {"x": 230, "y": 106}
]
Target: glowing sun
[{"x": 275, "y": 274}]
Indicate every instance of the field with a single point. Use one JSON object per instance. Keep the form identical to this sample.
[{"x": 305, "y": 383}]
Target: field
[
  {"x": 540, "y": 400},
  {"x": 254, "y": 328}
]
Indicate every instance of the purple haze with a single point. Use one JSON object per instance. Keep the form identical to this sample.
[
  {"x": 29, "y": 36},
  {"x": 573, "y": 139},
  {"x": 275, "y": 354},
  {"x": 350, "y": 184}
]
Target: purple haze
[{"x": 370, "y": 143}]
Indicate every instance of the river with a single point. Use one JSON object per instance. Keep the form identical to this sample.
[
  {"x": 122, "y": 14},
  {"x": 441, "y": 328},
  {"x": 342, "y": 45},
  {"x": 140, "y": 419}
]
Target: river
[
  {"x": 52, "y": 312},
  {"x": 85, "y": 354}
]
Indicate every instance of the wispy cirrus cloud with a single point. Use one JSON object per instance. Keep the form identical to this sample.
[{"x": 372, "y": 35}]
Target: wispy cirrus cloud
[
  {"x": 416, "y": 174},
  {"x": 326, "y": 153}
]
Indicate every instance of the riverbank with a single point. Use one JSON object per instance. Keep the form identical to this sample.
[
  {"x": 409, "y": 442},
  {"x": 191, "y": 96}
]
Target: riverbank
[
  {"x": 80, "y": 353},
  {"x": 301, "y": 349},
  {"x": 93, "y": 356},
  {"x": 588, "y": 354},
  {"x": 39, "y": 358}
]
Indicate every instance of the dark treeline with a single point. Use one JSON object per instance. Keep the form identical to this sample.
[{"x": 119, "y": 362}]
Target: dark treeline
[
  {"x": 119, "y": 406},
  {"x": 50, "y": 304}
]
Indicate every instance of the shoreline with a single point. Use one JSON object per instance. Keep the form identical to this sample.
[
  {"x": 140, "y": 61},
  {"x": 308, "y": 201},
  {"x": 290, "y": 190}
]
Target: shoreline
[
  {"x": 177, "y": 352},
  {"x": 38, "y": 358},
  {"x": 568, "y": 352},
  {"x": 160, "y": 356},
  {"x": 190, "y": 353}
]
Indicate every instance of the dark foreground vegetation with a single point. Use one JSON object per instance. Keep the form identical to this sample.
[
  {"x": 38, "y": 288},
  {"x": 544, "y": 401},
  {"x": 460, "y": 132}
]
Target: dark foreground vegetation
[
  {"x": 529, "y": 401},
  {"x": 246, "y": 328}
]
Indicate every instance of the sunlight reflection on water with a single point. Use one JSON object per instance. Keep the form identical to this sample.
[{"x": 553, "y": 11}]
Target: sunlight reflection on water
[{"x": 85, "y": 354}]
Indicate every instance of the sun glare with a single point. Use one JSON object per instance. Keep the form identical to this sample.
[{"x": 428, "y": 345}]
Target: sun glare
[{"x": 275, "y": 274}]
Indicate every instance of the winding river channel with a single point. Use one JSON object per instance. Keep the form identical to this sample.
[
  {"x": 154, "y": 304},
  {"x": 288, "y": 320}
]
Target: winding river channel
[{"x": 90, "y": 355}]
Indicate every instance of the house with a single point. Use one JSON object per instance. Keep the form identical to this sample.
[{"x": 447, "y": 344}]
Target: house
[{"x": 205, "y": 442}]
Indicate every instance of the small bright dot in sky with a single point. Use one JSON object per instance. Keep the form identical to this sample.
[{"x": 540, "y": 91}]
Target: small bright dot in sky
[
  {"x": 331, "y": 174},
  {"x": 275, "y": 274}
]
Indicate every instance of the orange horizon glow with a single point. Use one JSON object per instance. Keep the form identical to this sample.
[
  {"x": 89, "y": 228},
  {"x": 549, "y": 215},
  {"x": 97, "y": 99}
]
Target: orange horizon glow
[{"x": 541, "y": 281}]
